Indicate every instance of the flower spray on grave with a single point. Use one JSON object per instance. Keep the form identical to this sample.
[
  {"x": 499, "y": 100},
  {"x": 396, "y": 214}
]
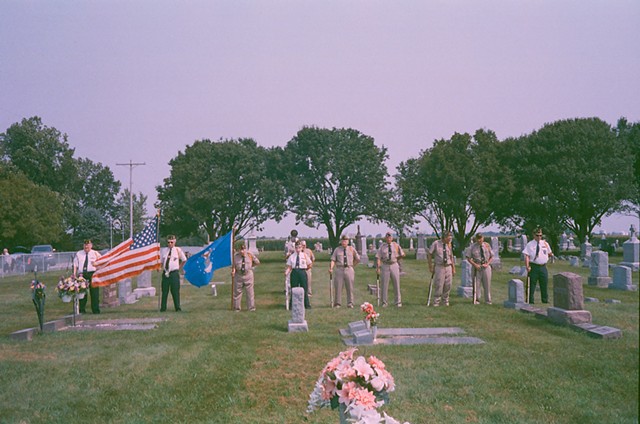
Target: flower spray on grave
[
  {"x": 38, "y": 297},
  {"x": 357, "y": 387},
  {"x": 370, "y": 315}
]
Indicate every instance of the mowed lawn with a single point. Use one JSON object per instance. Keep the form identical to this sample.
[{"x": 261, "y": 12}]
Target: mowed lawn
[{"x": 208, "y": 364}]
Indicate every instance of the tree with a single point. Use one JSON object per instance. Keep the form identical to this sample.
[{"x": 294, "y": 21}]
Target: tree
[
  {"x": 335, "y": 177},
  {"x": 122, "y": 212},
  {"x": 97, "y": 187},
  {"x": 629, "y": 134},
  {"x": 30, "y": 214},
  {"x": 445, "y": 185},
  {"x": 217, "y": 186},
  {"x": 92, "y": 225}
]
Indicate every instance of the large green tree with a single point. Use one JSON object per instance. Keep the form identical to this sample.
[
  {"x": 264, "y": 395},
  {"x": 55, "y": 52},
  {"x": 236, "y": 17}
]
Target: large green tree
[
  {"x": 29, "y": 213},
  {"x": 629, "y": 134},
  {"x": 446, "y": 185},
  {"x": 334, "y": 177},
  {"x": 123, "y": 213},
  {"x": 568, "y": 175},
  {"x": 216, "y": 186}
]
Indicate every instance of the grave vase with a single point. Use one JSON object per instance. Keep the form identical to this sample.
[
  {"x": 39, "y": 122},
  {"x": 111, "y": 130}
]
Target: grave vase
[
  {"x": 66, "y": 298},
  {"x": 81, "y": 295},
  {"x": 367, "y": 323},
  {"x": 374, "y": 331},
  {"x": 342, "y": 409}
]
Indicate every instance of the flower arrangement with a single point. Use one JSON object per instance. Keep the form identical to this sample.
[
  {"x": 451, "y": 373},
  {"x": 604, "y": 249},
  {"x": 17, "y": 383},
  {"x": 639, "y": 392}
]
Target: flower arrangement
[
  {"x": 71, "y": 286},
  {"x": 37, "y": 289},
  {"x": 357, "y": 386},
  {"x": 370, "y": 314}
]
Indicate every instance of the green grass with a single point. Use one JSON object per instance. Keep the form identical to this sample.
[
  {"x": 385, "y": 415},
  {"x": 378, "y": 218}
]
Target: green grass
[{"x": 211, "y": 365}]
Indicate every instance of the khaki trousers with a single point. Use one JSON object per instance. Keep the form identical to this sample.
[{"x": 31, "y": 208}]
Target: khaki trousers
[
  {"x": 442, "y": 281},
  {"x": 240, "y": 282},
  {"x": 343, "y": 277},
  {"x": 390, "y": 271},
  {"x": 482, "y": 277}
]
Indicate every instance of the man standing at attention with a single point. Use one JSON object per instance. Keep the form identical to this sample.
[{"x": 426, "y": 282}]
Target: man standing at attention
[
  {"x": 479, "y": 255},
  {"x": 171, "y": 265},
  {"x": 84, "y": 265},
  {"x": 441, "y": 255},
  {"x": 343, "y": 259},
  {"x": 297, "y": 265},
  {"x": 312, "y": 258},
  {"x": 536, "y": 255},
  {"x": 242, "y": 273},
  {"x": 387, "y": 267}
]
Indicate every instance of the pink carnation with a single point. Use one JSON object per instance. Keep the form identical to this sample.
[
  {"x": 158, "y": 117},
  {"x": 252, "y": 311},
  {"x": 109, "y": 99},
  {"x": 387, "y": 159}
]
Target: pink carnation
[
  {"x": 376, "y": 363},
  {"x": 365, "y": 398},
  {"x": 362, "y": 368},
  {"x": 347, "y": 392}
]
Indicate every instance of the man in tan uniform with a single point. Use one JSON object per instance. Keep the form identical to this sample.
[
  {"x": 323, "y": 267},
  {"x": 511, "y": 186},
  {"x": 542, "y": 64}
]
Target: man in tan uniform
[
  {"x": 440, "y": 252},
  {"x": 242, "y": 273},
  {"x": 312, "y": 257},
  {"x": 479, "y": 255},
  {"x": 343, "y": 259},
  {"x": 387, "y": 267}
]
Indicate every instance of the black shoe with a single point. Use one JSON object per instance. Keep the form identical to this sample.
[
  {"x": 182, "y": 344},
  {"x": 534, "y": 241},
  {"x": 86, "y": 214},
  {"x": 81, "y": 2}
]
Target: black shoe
[
  {"x": 179, "y": 310},
  {"x": 163, "y": 310},
  {"x": 83, "y": 311}
]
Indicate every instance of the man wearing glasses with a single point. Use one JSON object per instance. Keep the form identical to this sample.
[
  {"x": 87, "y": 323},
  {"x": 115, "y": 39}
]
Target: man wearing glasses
[
  {"x": 536, "y": 255},
  {"x": 171, "y": 264}
]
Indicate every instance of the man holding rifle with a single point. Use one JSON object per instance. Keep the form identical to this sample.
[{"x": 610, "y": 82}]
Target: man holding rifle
[
  {"x": 536, "y": 255},
  {"x": 479, "y": 255},
  {"x": 440, "y": 255},
  {"x": 343, "y": 259}
]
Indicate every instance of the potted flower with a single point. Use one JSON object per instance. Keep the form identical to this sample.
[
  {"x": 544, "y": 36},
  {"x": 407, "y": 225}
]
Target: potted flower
[
  {"x": 83, "y": 286},
  {"x": 370, "y": 317},
  {"x": 38, "y": 297},
  {"x": 357, "y": 387},
  {"x": 67, "y": 288}
]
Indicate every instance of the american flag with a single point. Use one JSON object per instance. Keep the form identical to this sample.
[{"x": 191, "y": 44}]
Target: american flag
[{"x": 129, "y": 258}]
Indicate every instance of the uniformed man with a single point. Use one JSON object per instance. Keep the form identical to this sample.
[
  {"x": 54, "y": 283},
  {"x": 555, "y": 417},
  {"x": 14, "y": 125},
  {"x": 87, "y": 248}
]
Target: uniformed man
[
  {"x": 479, "y": 255},
  {"x": 536, "y": 255},
  {"x": 440, "y": 254},
  {"x": 387, "y": 267},
  {"x": 242, "y": 273},
  {"x": 84, "y": 265},
  {"x": 343, "y": 260},
  {"x": 297, "y": 265},
  {"x": 172, "y": 263}
]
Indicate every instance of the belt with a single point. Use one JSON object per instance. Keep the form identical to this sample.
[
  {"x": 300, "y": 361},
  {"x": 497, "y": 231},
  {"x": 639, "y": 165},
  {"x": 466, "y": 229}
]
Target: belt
[
  {"x": 534, "y": 264},
  {"x": 342, "y": 266}
]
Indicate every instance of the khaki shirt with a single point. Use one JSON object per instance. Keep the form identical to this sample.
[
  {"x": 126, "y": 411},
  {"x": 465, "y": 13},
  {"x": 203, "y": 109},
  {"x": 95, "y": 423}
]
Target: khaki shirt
[
  {"x": 474, "y": 253},
  {"x": 250, "y": 262},
  {"x": 383, "y": 253},
  {"x": 352, "y": 256},
  {"x": 311, "y": 256},
  {"x": 436, "y": 250}
]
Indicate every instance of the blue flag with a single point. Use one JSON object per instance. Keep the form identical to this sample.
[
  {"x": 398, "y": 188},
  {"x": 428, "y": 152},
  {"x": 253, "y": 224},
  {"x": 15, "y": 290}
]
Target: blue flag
[{"x": 198, "y": 269}]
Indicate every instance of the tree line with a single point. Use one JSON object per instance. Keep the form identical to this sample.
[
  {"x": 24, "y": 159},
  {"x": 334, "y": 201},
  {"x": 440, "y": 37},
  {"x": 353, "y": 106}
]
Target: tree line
[{"x": 564, "y": 177}]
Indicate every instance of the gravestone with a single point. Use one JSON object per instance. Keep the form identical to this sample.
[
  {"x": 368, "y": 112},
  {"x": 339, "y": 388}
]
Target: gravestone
[
  {"x": 571, "y": 245},
  {"x": 574, "y": 261},
  {"x": 523, "y": 244},
  {"x": 251, "y": 244},
  {"x": 568, "y": 300},
  {"x": 144, "y": 288},
  {"x": 510, "y": 245},
  {"x": 564, "y": 242},
  {"x": 495, "y": 251},
  {"x": 517, "y": 244},
  {"x": 361, "y": 248},
  {"x": 421, "y": 253},
  {"x": 110, "y": 296},
  {"x": 297, "y": 324},
  {"x": 410, "y": 244},
  {"x": 631, "y": 251},
  {"x": 317, "y": 247},
  {"x": 586, "y": 248},
  {"x": 516, "y": 294},
  {"x": 599, "y": 270},
  {"x": 125, "y": 293},
  {"x": 466, "y": 280},
  {"x": 622, "y": 279}
]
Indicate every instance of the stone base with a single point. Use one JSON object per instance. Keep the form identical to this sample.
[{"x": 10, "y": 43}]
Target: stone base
[
  {"x": 363, "y": 337},
  {"x": 635, "y": 266},
  {"x": 129, "y": 299},
  {"x": 600, "y": 332},
  {"x": 496, "y": 264},
  {"x": 602, "y": 282},
  {"x": 630, "y": 287},
  {"x": 466, "y": 292},
  {"x": 514, "y": 305},
  {"x": 421, "y": 254},
  {"x": 298, "y": 327},
  {"x": 565, "y": 317},
  {"x": 145, "y": 292}
]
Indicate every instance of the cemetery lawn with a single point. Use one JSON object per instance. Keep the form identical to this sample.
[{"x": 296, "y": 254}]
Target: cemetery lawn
[{"x": 208, "y": 364}]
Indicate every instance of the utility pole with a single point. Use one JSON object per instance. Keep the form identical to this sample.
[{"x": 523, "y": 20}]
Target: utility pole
[{"x": 130, "y": 165}]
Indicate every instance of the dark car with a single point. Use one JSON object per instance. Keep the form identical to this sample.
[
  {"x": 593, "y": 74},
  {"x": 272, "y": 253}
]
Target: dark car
[{"x": 42, "y": 257}]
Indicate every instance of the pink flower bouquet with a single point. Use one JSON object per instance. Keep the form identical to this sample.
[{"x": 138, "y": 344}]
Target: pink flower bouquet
[
  {"x": 357, "y": 386},
  {"x": 370, "y": 314}
]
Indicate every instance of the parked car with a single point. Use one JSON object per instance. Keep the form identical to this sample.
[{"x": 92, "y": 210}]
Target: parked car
[{"x": 41, "y": 258}]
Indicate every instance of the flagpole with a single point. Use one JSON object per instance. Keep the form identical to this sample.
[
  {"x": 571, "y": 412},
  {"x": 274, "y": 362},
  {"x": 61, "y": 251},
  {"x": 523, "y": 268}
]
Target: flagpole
[
  {"x": 233, "y": 242},
  {"x": 158, "y": 241}
]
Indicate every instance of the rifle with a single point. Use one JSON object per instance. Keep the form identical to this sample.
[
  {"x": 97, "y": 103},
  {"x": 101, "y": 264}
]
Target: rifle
[
  {"x": 331, "y": 288},
  {"x": 378, "y": 286},
  {"x": 474, "y": 278},
  {"x": 526, "y": 289},
  {"x": 430, "y": 287},
  {"x": 287, "y": 289}
]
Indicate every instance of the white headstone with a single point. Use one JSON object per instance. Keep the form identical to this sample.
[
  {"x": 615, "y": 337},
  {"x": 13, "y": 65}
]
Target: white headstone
[
  {"x": 631, "y": 251},
  {"x": 297, "y": 323},
  {"x": 622, "y": 279}
]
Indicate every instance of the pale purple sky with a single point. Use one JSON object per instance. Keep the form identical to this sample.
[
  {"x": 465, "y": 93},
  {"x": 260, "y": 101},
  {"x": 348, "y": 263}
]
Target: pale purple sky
[{"x": 140, "y": 80}]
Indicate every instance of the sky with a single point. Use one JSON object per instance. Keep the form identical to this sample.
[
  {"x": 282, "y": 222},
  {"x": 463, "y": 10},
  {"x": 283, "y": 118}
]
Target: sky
[{"x": 141, "y": 80}]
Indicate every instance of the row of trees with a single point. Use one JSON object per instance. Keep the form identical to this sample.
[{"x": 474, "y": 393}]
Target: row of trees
[
  {"x": 566, "y": 176},
  {"x": 50, "y": 196}
]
